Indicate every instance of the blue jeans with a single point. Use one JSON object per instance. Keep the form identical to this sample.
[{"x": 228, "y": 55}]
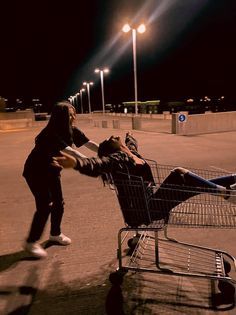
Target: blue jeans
[{"x": 177, "y": 187}]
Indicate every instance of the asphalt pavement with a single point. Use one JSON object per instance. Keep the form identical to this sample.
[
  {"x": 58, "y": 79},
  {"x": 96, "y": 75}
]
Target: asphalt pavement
[{"x": 75, "y": 279}]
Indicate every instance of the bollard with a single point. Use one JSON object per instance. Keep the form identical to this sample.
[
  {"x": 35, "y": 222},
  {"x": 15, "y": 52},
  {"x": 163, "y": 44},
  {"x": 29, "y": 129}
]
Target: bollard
[
  {"x": 116, "y": 124},
  {"x": 179, "y": 121},
  {"x": 104, "y": 124},
  {"x": 136, "y": 123},
  {"x": 96, "y": 123}
]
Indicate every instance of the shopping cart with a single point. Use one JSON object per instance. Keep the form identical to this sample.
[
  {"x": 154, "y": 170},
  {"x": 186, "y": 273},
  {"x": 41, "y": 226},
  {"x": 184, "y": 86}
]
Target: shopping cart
[{"x": 147, "y": 219}]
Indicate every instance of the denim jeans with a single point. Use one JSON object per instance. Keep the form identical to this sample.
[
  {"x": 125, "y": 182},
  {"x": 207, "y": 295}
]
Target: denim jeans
[
  {"x": 177, "y": 187},
  {"x": 49, "y": 200}
]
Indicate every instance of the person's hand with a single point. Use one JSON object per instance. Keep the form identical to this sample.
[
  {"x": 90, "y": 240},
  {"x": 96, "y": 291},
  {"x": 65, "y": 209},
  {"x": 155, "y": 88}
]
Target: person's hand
[
  {"x": 64, "y": 161},
  {"x": 129, "y": 133}
]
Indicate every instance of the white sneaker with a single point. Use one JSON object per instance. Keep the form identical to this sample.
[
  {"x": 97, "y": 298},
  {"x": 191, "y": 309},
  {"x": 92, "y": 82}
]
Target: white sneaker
[
  {"x": 35, "y": 250},
  {"x": 232, "y": 196},
  {"x": 61, "y": 239}
]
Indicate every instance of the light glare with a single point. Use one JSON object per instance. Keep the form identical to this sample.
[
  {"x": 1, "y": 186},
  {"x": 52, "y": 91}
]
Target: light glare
[
  {"x": 141, "y": 28},
  {"x": 126, "y": 28}
]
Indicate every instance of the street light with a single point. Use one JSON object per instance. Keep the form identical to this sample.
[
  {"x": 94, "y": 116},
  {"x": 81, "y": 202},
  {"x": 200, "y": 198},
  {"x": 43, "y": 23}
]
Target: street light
[
  {"x": 141, "y": 29},
  {"x": 102, "y": 71},
  {"x": 87, "y": 84},
  {"x": 71, "y": 99},
  {"x": 77, "y": 102},
  {"x": 81, "y": 100}
]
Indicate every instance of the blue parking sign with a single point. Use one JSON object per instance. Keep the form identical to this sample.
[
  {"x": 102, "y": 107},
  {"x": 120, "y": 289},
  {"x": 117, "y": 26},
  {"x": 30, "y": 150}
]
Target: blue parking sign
[{"x": 182, "y": 117}]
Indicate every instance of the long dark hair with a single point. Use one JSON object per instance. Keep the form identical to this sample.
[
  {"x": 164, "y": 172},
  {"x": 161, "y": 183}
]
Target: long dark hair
[{"x": 59, "y": 124}]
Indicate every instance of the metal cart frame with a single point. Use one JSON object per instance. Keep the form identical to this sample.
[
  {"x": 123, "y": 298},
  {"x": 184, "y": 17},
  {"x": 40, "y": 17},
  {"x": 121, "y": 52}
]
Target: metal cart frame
[{"x": 150, "y": 252}]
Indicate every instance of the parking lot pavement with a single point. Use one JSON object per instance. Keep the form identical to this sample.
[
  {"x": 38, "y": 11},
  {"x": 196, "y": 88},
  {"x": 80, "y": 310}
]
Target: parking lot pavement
[{"x": 74, "y": 279}]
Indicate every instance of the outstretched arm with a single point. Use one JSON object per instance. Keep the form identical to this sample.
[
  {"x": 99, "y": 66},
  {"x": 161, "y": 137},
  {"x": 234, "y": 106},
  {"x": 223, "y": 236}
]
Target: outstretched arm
[
  {"x": 73, "y": 152},
  {"x": 89, "y": 166},
  {"x": 93, "y": 146}
]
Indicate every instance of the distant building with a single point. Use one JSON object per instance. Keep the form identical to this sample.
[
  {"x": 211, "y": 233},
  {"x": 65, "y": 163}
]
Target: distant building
[{"x": 147, "y": 107}]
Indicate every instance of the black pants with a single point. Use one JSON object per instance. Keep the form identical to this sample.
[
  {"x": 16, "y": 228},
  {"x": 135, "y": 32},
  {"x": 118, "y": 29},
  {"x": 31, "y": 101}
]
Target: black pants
[
  {"x": 49, "y": 200},
  {"x": 177, "y": 187}
]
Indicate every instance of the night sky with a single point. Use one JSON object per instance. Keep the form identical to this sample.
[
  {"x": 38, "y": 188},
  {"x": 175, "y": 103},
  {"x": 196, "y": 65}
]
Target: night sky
[{"x": 48, "y": 48}]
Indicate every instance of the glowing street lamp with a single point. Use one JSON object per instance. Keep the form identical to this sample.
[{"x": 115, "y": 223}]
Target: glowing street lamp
[
  {"x": 102, "y": 71},
  {"x": 87, "y": 84},
  {"x": 81, "y": 99},
  {"x": 140, "y": 29}
]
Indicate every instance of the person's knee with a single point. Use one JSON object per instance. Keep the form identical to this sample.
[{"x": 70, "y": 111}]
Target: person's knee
[
  {"x": 43, "y": 207},
  {"x": 180, "y": 170},
  {"x": 58, "y": 206}
]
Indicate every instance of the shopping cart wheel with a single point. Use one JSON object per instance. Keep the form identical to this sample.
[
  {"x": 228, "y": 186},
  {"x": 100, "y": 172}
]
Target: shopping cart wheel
[
  {"x": 227, "y": 288},
  {"x": 132, "y": 242},
  {"x": 227, "y": 266},
  {"x": 116, "y": 278}
]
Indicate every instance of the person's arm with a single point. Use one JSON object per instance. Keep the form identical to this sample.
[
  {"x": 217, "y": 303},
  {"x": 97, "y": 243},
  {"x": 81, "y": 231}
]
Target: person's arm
[
  {"x": 131, "y": 142},
  {"x": 90, "y": 166},
  {"x": 93, "y": 146},
  {"x": 80, "y": 139},
  {"x": 73, "y": 152}
]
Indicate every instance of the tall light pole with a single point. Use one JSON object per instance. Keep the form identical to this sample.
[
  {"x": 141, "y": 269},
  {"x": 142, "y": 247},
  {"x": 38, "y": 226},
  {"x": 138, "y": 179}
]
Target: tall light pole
[
  {"x": 102, "y": 71},
  {"x": 77, "y": 102},
  {"x": 87, "y": 84},
  {"x": 141, "y": 29},
  {"x": 72, "y": 100},
  {"x": 81, "y": 99}
]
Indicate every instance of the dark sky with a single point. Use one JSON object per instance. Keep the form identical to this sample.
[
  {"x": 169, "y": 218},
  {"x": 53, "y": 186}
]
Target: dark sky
[{"x": 48, "y": 48}]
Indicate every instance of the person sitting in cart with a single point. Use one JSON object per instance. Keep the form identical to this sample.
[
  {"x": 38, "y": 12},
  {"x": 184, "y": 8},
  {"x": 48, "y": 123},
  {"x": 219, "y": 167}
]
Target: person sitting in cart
[{"x": 122, "y": 159}]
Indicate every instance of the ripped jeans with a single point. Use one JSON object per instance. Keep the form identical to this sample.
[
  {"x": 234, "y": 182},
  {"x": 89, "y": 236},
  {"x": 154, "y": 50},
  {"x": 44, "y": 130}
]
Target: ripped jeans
[{"x": 178, "y": 187}]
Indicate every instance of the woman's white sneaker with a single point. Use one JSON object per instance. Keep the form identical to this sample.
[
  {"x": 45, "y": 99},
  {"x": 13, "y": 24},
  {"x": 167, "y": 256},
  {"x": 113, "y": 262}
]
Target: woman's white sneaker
[
  {"x": 35, "y": 250},
  {"x": 61, "y": 239}
]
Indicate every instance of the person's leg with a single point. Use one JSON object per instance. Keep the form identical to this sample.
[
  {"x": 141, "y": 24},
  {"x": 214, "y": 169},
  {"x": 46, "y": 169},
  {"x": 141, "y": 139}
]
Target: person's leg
[
  {"x": 57, "y": 206},
  {"x": 229, "y": 182},
  {"x": 40, "y": 190},
  {"x": 57, "y": 212},
  {"x": 225, "y": 181},
  {"x": 178, "y": 186}
]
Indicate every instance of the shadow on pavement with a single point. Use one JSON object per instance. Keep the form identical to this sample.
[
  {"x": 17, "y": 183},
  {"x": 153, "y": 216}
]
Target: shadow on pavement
[
  {"x": 10, "y": 260},
  {"x": 101, "y": 293},
  {"x": 175, "y": 295}
]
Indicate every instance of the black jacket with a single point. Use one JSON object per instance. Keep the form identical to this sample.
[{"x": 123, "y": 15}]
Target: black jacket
[{"x": 116, "y": 163}]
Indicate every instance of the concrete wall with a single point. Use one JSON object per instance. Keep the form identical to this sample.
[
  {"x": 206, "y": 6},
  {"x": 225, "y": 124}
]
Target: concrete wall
[
  {"x": 145, "y": 122},
  {"x": 10, "y": 124},
  {"x": 17, "y": 115},
  {"x": 203, "y": 123},
  {"x": 16, "y": 120}
]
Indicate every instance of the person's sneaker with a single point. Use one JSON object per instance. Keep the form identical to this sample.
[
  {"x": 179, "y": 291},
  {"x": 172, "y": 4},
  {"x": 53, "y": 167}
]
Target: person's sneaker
[
  {"x": 35, "y": 250},
  {"x": 232, "y": 196},
  {"x": 61, "y": 239}
]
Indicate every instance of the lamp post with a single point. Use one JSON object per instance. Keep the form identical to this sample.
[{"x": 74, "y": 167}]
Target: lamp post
[
  {"x": 140, "y": 29},
  {"x": 81, "y": 99},
  {"x": 102, "y": 71},
  {"x": 77, "y": 102},
  {"x": 87, "y": 84},
  {"x": 72, "y": 100}
]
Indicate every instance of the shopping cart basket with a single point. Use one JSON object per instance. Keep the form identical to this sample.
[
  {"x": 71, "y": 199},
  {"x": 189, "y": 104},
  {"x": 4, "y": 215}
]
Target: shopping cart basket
[{"x": 147, "y": 220}]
